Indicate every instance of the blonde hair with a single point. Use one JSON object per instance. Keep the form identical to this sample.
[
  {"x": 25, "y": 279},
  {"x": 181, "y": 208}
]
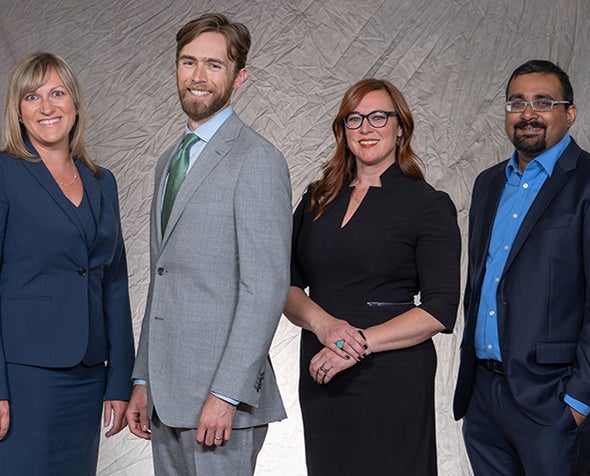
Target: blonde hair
[{"x": 28, "y": 75}]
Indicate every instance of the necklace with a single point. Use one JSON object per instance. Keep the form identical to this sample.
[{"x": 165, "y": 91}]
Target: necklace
[{"x": 67, "y": 184}]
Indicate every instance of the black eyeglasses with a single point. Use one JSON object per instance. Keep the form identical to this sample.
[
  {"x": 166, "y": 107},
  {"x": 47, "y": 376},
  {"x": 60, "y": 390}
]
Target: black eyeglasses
[
  {"x": 377, "y": 119},
  {"x": 538, "y": 105}
]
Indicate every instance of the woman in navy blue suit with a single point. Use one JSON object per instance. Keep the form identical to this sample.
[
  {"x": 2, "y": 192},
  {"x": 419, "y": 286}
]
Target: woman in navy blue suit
[{"x": 66, "y": 343}]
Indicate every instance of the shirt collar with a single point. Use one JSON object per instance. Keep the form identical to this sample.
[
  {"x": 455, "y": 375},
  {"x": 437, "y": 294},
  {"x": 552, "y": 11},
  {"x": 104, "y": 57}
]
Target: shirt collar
[
  {"x": 546, "y": 160},
  {"x": 208, "y": 129},
  {"x": 391, "y": 173}
]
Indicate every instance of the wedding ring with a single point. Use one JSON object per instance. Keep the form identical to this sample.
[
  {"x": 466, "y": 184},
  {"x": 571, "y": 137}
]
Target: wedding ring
[
  {"x": 324, "y": 369},
  {"x": 218, "y": 438}
]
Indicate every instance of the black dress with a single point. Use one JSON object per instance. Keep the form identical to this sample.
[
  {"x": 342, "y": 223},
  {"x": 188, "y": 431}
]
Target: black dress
[{"x": 376, "y": 418}]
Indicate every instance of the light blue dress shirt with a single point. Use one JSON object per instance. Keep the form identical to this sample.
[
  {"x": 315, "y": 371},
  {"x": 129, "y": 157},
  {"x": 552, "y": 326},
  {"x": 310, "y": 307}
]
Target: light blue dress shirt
[
  {"x": 519, "y": 192},
  {"x": 205, "y": 132}
]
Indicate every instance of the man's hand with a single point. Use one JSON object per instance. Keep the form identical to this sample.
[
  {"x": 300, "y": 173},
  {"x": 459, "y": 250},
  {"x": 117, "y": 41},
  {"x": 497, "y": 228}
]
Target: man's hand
[
  {"x": 217, "y": 417},
  {"x": 577, "y": 416},
  {"x": 114, "y": 415},
  {"x": 4, "y": 418},
  {"x": 139, "y": 424}
]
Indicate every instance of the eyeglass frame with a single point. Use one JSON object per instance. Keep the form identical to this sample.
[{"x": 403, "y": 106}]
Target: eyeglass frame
[
  {"x": 388, "y": 114},
  {"x": 508, "y": 105}
]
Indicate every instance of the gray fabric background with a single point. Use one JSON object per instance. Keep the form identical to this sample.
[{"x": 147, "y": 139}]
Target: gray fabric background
[{"x": 451, "y": 59}]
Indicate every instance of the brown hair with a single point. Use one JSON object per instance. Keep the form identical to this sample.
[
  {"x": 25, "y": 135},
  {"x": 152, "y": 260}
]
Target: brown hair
[
  {"x": 340, "y": 170},
  {"x": 28, "y": 75},
  {"x": 237, "y": 36}
]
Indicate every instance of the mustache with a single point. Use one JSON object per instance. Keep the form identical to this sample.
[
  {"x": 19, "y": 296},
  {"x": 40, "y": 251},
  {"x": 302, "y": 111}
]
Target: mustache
[
  {"x": 199, "y": 86},
  {"x": 535, "y": 124}
]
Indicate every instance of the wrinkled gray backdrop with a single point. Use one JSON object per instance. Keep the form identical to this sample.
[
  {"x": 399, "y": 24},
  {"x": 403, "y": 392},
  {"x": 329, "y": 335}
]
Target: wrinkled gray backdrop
[{"x": 451, "y": 59}]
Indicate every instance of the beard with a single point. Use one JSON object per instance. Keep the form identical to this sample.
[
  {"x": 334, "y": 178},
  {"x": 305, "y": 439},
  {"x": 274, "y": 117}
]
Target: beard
[
  {"x": 530, "y": 145},
  {"x": 201, "y": 110}
]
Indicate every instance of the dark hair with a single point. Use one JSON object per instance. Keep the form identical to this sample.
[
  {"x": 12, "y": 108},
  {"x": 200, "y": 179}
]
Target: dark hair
[
  {"x": 546, "y": 67},
  {"x": 340, "y": 170},
  {"x": 237, "y": 36}
]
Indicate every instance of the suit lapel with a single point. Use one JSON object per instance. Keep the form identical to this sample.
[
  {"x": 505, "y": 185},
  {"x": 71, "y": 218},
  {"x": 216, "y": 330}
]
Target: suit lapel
[
  {"x": 486, "y": 222},
  {"x": 545, "y": 196},
  {"x": 93, "y": 194},
  {"x": 41, "y": 174},
  {"x": 159, "y": 197},
  {"x": 217, "y": 148}
]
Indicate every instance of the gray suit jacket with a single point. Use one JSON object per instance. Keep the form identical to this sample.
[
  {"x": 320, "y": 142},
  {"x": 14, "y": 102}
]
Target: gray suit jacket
[{"x": 219, "y": 280}]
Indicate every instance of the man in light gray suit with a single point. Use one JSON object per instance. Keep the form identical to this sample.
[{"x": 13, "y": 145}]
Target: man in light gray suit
[{"x": 220, "y": 239}]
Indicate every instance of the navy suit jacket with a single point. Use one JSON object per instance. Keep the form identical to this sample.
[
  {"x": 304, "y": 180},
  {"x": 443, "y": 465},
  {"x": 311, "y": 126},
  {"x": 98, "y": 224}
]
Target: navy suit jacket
[
  {"x": 61, "y": 302},
  {"x": 543, "y": 298}
]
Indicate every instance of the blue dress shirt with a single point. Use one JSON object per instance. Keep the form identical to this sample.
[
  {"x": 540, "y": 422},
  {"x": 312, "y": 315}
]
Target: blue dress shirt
[
  {"x": 519, "y": 192},
  {"x": 205, "y": 132}
]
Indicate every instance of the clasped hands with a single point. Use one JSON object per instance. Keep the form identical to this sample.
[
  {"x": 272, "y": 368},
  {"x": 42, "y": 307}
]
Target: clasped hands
[{"x": 344, "y": 346}]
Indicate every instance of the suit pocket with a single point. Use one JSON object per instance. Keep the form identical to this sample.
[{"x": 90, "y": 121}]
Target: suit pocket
[
  {"x": 556, "y": 352},
  {"x": 562, "y": 221}
]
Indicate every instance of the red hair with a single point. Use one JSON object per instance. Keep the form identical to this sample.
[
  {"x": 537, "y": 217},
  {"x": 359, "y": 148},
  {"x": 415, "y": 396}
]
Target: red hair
[{"x": 340, "y": 170}]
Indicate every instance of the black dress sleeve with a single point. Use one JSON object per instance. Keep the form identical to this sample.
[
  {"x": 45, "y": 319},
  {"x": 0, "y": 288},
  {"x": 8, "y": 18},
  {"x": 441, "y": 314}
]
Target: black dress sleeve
[
  {"x": 297, "y": 274},
  {"x": 438, "y": 257}
]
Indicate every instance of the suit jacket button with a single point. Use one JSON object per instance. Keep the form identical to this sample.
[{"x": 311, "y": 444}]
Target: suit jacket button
[
  {"x": 161, "y": 271},
  {"x": 82, "y": 272}
]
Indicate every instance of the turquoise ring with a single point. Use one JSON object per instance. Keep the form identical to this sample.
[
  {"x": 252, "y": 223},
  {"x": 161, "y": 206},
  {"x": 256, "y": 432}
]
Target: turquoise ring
[{"x": 340, "y": 343}]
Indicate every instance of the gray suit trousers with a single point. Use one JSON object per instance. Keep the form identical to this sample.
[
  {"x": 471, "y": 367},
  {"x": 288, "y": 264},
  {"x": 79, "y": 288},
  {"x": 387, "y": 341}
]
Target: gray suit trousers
[{"x": 176, "y": 452}]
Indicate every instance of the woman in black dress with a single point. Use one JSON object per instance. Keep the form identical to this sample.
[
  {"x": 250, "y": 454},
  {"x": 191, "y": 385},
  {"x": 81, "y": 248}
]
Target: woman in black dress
[{"x": 369, "y": 236}]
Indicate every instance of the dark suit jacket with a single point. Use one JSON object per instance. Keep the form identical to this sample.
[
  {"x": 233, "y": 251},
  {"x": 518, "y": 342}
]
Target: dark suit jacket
[
  {"x": 60, "y": 302},
  {"x": 543, "y": 298}
]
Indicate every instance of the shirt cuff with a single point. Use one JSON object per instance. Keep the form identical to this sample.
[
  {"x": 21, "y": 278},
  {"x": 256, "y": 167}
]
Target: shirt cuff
[
  {"x": 226, "y": 399},
  {"x": 138, "y": 381},
  {"x": 576, "y": 405}
]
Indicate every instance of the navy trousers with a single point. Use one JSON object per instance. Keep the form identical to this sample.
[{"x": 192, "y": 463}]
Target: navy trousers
[
  {"x": 55, "y": 417},
  {"x": 501, "y": 440}
]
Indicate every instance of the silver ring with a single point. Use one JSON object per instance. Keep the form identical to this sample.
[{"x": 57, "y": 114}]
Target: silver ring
[
  {"x": 339, "y": 343},
  {"x": 324, "y": 369}
]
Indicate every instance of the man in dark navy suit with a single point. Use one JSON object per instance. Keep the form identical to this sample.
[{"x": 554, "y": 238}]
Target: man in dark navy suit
[{"x": 524, "y": 381}]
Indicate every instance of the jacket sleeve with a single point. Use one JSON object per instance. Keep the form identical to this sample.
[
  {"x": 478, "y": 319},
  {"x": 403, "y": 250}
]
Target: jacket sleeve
[
  {"x": 263, "y": 221},
  {"x": 117, "y": 312},
  {"x": 578, "y": 385},
  {"x": 4, "y": 390}
]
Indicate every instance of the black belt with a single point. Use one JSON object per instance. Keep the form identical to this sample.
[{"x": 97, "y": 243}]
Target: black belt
[{"x": 494, "y": 366}]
